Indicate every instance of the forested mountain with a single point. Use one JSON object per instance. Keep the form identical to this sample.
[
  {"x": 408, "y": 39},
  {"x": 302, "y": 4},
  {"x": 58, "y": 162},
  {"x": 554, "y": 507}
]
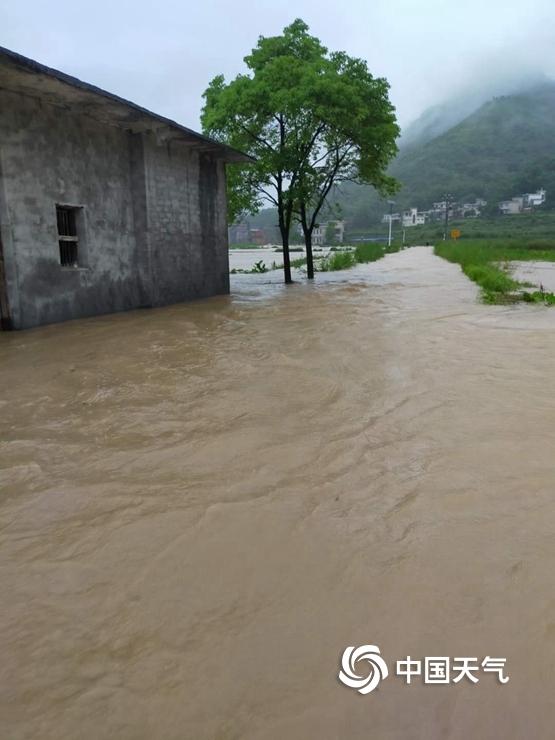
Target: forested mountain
[{"x": 504, "y": 148}]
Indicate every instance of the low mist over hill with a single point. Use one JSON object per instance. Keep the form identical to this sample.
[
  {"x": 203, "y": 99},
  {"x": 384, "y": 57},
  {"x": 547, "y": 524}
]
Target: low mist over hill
[
  {"x": 439, "y": 118},
  {"x": 505, "y": 147}
]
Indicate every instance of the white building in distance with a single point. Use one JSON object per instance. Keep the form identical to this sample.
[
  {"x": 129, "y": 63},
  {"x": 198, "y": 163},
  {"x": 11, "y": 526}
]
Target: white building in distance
[
  {"x": 532, "y": 200},
  {"x": 320, "y": 231},
  {"x": 521, "y": 203},
  {"x": 413, "y": 218}
]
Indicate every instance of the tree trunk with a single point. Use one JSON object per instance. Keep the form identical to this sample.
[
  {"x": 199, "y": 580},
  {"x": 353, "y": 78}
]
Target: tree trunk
[
  {"x": 286, "y": 257},
  {"x": 309, "y": 259}
]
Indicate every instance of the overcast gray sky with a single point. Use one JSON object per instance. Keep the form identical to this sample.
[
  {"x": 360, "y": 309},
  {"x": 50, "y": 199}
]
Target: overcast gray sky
[{"x": 162, "y": 55}]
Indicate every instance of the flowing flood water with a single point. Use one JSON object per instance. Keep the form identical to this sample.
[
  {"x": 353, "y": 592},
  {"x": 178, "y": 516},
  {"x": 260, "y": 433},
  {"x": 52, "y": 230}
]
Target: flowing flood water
[{"x": 202, "y": 506}]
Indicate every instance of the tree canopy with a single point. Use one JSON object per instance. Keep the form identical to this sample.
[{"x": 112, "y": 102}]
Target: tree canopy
[{"x": 310, "y": 119}]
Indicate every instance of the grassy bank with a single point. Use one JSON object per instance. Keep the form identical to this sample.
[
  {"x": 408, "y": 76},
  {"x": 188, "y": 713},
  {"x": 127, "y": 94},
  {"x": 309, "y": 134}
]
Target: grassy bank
[
  {"x": 522, "y": 226},
  {"x": 335, "y": 261},
  {"x": 342, "y": 259},
  {"x": 364, "y": 252},
  {"x": 486, "y": 263}
]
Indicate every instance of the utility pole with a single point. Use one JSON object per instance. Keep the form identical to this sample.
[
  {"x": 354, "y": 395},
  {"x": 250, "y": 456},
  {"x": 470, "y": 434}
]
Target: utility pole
[
  {"x": 447, "y": 201},
  {"x": 391, "y": 204}
]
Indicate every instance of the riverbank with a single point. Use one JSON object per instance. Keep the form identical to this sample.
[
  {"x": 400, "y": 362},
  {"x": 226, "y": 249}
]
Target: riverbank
[{"x": 494, "y": 265}]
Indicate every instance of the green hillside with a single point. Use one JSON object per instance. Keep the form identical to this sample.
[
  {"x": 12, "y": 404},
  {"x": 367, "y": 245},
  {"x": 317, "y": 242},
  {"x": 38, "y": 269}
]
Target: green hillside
[{"x": 504, "y": 148}]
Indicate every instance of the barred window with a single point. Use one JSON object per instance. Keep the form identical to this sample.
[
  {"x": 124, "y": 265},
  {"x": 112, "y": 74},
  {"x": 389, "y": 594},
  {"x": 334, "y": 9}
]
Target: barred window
[{"x": 68, "y": 240}]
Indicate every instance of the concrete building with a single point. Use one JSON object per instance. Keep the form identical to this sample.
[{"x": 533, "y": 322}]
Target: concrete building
[
  {"x": 242, "y": 233},
  {"x": 510, "y": 207},
  {"x": 104, "y": 206},
  {"x": 410, "y": 217},
  {"x": 520, "y": 203},
  {"x": 319, "y": 234},
  {"x": 413, "y": 218},
  {"x": 238, "y": 233},
  {"x": 472, "y": 210},
  {"x": 437, "y": 211},
  {"x": 533, "y": 200}
]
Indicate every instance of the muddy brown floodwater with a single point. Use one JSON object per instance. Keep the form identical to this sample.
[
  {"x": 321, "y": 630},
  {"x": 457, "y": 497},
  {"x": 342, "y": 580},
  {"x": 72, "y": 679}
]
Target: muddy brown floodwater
[{"x": 203, "y": 505}]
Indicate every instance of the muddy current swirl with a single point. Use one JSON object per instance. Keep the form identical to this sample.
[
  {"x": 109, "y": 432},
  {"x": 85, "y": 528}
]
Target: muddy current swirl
[{"x": 203, "y": 505}]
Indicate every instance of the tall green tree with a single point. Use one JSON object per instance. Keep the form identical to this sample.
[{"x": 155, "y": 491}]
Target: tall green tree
[{"x": 310, "y": 119}]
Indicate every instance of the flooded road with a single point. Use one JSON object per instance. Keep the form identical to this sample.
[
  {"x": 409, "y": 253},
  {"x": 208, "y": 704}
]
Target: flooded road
[{"x": 203, "y": 505}]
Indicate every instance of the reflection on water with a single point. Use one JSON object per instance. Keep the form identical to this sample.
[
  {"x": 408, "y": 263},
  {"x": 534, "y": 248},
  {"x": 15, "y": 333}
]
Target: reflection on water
[{"x": 203, "y": 505}]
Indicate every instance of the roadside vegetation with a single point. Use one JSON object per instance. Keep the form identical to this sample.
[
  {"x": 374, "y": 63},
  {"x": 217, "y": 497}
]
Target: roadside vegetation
[
  {"x": 487, "y": 263},
  {"x": 370, "y": 251},
  {"x": 342, "y": 258},
  {"x": 346, "y": 258},
  {"x": 336, "y": 261},
  {"x": 338, "y": 258},
  {"x": 522, "y": 227}
]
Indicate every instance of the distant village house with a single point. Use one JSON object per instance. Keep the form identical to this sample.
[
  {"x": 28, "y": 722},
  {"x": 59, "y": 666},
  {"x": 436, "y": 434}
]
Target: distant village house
[
  {"x": 414, "y": 217},
  {"x": 410, "y": 217},
  {"x": 322, "y": 232},
  {"x": 104, "y": 206},
  {"x": 327, "y": 233},
  {"x": 241, "y": 233},
  {"x": 522, "y": 203}
]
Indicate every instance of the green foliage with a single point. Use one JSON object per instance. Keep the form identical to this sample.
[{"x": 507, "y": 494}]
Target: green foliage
[
  {"x": 539, "y": 297},
  {"x": 369, "y": 252},
  {"x": 309, "y": 118},
  {"x": 364, "y": 252},
  {"x": 491, "y": 279},
  {"x": 504, "y": 148},
  {"x": 484, "y": 251},
  {"x": 337, "y": 261},
  {"x": 525, "y": 228},
  {"x": 482, "y": 261}
]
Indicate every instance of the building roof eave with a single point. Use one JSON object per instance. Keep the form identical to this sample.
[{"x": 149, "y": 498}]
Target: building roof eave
[{"x": 21, "y": 74}]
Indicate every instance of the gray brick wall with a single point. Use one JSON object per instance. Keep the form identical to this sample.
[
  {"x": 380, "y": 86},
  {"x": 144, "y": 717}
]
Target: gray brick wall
[{"x": 154, "y": 215}]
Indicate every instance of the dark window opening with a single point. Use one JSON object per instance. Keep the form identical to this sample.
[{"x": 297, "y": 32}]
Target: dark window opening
[
  {"x": 67, "y": 236},
  {"x": 68, "y": 254}
]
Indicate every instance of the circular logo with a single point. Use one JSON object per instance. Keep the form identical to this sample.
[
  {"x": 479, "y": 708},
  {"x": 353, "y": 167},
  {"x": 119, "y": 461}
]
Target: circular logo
[{"x": 378, "y": 668}]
